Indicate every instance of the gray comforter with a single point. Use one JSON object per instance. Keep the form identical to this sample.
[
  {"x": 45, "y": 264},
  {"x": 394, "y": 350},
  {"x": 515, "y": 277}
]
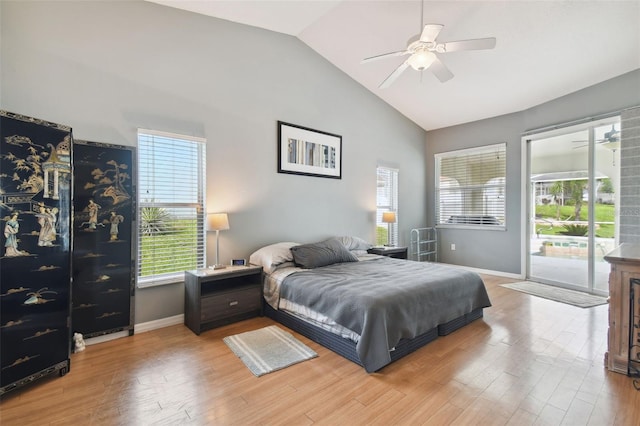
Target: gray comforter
[{"x": 385, "y": 300}]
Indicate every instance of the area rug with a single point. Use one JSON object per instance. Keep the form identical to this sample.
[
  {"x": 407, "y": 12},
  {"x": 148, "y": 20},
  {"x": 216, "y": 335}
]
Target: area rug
[
  {"x": 571, "y": 297},
  {"x": 268, "y": 349}
]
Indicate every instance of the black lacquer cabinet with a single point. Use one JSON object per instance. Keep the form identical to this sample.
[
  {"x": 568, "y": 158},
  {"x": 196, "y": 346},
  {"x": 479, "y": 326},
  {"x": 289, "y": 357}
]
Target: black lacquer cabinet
[{"x": 35, "y": 261}]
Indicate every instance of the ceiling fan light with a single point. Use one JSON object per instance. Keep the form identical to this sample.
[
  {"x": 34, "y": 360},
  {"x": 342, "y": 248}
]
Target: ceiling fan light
[
  {"x": 611, "y": 145},
  {"x": 421, "y": 60}
]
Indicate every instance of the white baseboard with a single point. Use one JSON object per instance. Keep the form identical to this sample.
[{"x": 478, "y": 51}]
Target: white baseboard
[
  {"x": 489, "y": 272},
  {"x": 159, "y": 323},
  {"x": 138, "y": 328},
  {"x": 106, "y": 337}
]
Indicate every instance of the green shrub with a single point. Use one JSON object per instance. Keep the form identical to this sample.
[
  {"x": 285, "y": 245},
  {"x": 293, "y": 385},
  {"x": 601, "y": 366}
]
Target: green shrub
[
  {"x": 575, "y": 230},
  {"x": 382, "y": 235}
]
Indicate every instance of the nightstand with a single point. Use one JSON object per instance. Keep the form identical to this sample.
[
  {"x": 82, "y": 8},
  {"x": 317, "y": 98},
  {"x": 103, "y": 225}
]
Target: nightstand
[
  {"x": 215, "y": 297},
  {"x": 397, "y": 252}
]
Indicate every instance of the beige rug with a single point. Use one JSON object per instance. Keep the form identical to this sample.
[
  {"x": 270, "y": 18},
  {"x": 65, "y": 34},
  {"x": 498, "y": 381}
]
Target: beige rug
[{"x": 571, "y": 297}]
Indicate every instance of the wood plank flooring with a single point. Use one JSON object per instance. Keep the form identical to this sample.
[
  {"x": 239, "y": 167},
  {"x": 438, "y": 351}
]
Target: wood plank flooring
[{"x": 529, "y": 361}]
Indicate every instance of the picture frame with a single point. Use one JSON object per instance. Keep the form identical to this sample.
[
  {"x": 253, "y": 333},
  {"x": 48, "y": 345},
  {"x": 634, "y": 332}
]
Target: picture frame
[
  {"x": 238, "y": 262},
  {"x": 309, "y": 152}
]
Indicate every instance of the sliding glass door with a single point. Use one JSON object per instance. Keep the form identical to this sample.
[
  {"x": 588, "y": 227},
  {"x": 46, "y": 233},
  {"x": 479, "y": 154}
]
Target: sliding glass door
[{"x": 573, "y": 175}]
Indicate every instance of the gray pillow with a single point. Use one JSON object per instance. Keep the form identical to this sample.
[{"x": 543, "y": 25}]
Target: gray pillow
[
  {"x": 321, "y": 254},
  {"x": 354, "y": 243}
]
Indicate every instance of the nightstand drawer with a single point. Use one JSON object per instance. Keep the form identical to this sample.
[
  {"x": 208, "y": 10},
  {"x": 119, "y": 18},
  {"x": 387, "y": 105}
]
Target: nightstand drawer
[{"x": 223, "y": 305}]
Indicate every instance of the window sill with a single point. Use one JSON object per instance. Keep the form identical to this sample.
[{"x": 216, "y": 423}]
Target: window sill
[
  {"x": 160, "y": 281},
  {"x": 474, "y": 227}
]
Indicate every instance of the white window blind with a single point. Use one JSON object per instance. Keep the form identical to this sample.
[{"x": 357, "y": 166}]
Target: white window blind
[
  {"x": 171, "y": 206},
  {"x": 471, "y": 187},
  {"x": 386, "y": 201}
]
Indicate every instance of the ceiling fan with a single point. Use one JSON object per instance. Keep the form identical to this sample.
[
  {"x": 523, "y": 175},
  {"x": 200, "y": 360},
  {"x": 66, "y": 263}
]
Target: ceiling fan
[
  {"x": 611, "y": 139},
  {"x": 424, "y": 49}
]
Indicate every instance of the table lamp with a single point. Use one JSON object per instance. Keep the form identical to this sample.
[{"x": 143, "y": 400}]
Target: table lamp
[
  {"x": 389, "y": 217},
  {"x": 218, "y": 222}
]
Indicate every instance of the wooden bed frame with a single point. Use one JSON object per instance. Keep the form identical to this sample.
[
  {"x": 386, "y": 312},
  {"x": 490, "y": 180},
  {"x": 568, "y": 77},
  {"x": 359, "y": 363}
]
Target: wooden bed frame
[{"x": 347, "y": 348}]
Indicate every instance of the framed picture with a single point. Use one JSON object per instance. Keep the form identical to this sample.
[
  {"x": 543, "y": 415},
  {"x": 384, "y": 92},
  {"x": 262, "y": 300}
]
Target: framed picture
[{"x": 304, "y": 151}]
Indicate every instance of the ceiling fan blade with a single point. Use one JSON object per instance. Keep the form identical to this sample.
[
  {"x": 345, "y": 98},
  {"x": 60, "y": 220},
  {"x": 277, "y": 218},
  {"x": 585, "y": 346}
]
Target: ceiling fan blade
[
  {"x": 430, "y": 32},
  {"x": 475, "y": 44},
  {"x": 384, "y": 56},
  {"x": 395, "y": 74},
  {"x": 597, "y": 141},
  {"x": 440, "y": 70}
]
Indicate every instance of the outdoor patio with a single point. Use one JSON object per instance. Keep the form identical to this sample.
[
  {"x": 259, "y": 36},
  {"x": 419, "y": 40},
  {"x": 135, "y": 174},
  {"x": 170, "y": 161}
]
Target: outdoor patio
[{"x": 571, "y": 270}]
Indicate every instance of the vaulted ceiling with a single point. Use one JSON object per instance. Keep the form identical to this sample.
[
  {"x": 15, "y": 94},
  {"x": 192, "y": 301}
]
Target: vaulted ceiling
[{"x": 544, "y": 49}]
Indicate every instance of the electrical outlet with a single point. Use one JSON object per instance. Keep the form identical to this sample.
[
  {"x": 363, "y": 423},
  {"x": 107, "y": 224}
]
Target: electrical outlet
[{"x": 453, "y": 247}]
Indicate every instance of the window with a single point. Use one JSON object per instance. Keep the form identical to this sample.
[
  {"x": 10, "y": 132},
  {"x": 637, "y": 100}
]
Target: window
[
  {"x": 471, "y": 187},
  {"x": 387, "y": 201},
  {"x": 171, "y": 206}
]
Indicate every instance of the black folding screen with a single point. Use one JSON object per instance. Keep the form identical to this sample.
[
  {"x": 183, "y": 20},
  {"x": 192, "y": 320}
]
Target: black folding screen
[
  {"x": 67, "y": 210},
  {"x": 103, "y": 262},
  {"x": 35, "y": 266}
]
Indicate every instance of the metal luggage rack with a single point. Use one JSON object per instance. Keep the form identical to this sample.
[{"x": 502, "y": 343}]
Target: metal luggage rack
[{"x": 424, "y": 245}]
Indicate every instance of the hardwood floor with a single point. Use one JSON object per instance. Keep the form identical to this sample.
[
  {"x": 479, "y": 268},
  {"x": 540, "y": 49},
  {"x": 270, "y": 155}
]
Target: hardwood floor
[{"x": 530, "y": 361}]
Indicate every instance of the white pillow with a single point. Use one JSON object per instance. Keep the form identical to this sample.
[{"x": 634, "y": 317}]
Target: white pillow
[{"x": 270, "y": 257}]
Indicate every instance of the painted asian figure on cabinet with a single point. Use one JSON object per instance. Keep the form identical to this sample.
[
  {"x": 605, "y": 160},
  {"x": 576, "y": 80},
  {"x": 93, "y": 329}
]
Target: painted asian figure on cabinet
[{"x": 11, "y": 229}]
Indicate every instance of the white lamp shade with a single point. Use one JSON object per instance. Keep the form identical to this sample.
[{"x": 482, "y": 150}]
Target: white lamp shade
[
  {"x": 389, "y": 217},
  {"x": 218, "y": 222}
]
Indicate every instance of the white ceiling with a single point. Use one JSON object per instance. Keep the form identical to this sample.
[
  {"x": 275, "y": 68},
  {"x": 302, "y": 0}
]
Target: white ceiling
[{"x": 544, "y": 50}]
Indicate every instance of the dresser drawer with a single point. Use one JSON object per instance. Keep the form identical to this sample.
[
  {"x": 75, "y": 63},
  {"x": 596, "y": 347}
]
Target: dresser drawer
[{"x": 222, "y": 305}]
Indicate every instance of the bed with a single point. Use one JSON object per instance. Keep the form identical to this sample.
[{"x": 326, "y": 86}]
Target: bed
[{"x": 370, "y": 309}]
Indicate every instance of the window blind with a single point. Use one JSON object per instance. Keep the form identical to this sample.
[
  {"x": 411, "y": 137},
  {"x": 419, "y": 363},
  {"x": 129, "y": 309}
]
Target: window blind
[
  {"x": 471, "y": 187},
  {"x": 171, "y": 206},
  {"x": 386, "y": 201}
]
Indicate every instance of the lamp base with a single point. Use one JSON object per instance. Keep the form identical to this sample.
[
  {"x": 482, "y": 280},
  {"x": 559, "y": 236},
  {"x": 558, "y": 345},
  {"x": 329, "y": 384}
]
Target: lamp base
[{"x": 217, "y": 267}]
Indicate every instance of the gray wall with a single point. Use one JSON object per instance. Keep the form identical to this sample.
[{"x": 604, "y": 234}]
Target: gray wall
[
  {"x": 108, "y": 68},
  {"x": 501, "y": 250},
  {"x": 486, "y": 249}
]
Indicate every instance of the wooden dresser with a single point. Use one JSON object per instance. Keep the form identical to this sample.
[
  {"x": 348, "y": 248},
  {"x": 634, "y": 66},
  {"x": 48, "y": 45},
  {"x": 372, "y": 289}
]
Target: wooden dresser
[{"x": 625, "y": 267}]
